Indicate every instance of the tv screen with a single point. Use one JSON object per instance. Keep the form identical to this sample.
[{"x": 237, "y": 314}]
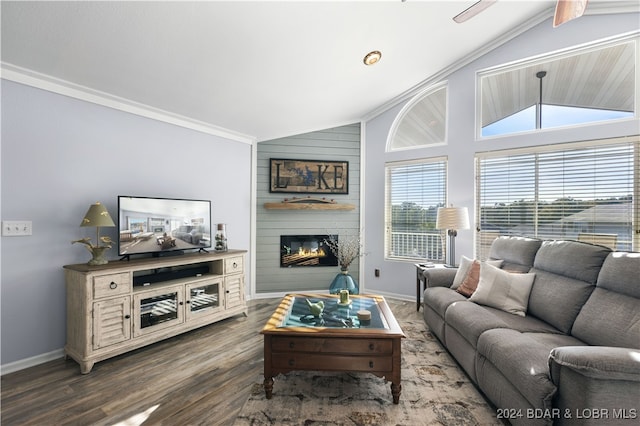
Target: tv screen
[{"x": 160, "y": 225}]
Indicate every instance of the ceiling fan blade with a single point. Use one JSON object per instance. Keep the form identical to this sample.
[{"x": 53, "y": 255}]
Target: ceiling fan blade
[
  {"x": 473, "y": 10},
  {"x": 567, "y": 10}
]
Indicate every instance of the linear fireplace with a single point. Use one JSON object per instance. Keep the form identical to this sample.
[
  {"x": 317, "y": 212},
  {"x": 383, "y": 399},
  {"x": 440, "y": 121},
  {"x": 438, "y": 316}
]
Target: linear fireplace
[{"x": 306, "y": 250}]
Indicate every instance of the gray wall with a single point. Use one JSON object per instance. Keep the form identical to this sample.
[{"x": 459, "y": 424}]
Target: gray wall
[
  {"x": 341, "y": 144},
  {"x": 59, "y": 155},
  {"x": 398, "y": 278}
]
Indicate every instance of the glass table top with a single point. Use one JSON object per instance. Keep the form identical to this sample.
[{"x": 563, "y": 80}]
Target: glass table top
[{"x": 334, "y": 314}]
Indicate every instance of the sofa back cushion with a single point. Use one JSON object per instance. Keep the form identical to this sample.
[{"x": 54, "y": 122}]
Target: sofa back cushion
[
  {"x": 517, "y": 253},
  {"x": 566, "y": 274},
  {"x": 611, "y": 315}
]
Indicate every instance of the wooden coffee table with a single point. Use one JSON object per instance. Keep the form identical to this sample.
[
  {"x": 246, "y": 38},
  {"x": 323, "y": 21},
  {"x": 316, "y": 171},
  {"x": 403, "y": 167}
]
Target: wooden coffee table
[{"x": 294, "y": 339}]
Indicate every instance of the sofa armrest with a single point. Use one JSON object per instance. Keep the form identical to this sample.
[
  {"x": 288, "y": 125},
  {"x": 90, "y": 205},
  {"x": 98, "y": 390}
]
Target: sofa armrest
[
  {"x": 439, "y": 277},
  {"x": 590, "y": 378}
]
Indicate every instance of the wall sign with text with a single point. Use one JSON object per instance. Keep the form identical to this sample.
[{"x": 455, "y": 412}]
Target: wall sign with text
[{"x": 309, "y": 176}]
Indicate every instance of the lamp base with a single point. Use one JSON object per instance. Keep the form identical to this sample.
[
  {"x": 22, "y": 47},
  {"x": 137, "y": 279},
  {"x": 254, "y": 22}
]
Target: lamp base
[{"x": 98, "y": 256}]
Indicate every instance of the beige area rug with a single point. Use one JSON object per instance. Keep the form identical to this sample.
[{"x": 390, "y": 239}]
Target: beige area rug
[{"x": 435, "y": 391}]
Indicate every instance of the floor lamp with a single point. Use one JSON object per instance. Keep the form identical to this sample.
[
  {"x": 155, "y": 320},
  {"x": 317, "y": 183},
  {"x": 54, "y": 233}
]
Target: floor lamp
[{"x": 452, "y": 219}]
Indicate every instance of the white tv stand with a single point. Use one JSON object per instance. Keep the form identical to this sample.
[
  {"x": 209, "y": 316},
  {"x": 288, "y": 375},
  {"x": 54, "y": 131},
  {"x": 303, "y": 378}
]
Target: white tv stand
[{"x": 127, "y": 304}]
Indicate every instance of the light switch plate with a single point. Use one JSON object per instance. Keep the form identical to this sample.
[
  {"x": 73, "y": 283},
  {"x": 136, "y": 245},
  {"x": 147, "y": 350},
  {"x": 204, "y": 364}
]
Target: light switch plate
[{"x": 16, "y": 228}]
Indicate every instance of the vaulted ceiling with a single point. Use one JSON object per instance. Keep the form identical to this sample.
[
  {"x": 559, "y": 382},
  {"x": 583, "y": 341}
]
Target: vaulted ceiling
[{"x": 260, "y": 69}]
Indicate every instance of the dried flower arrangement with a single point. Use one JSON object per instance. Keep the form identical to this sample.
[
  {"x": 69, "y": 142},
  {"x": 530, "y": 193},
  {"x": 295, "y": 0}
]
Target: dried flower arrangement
[{"x": 345, "y": 249}]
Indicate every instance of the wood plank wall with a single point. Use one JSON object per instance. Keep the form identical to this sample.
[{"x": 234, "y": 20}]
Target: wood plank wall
[{"x": 342, "y": 144}]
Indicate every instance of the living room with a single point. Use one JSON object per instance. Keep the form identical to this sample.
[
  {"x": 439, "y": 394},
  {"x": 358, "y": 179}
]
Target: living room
[{"x": 64, "y": 152}]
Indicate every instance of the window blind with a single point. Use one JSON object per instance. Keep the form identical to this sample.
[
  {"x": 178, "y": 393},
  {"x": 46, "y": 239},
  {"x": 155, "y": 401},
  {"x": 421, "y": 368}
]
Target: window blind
[
  {"x": 413, "y": 192},
  {"x": 579, "y": 191}
]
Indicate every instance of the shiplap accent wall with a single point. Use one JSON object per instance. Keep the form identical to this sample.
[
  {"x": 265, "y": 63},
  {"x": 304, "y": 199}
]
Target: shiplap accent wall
[{"x": 341, "y": 144}]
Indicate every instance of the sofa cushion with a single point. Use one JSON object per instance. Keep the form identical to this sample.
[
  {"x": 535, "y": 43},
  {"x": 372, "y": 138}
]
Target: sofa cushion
[
  {"x": 557, "y": 299},
  {"x": 503, "y": 290},
  {"x": 621, "y": 327},
  {"x": 566, "y": 272},
  {"x": 470, "y": 282},
  {"x": 616, "y": 298},
  {"x": 523, "y": 359},
  {"x": 517, "y": 253},
  {"x": 620, "y": 272},
  {"x": 463, "y": 269},
  {"x": 439, "y": 299},
  {"x": 470, "y": 320},
  {"x": 571, "y": 259}
]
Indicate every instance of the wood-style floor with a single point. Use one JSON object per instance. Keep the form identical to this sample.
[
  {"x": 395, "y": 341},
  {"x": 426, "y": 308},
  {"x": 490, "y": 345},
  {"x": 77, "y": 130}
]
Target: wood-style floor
[{"x": 199, "y": 378}]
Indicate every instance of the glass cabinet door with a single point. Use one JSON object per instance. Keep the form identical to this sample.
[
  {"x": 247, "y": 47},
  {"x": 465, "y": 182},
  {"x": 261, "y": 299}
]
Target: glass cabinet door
[
  {"x": 158, "y": 309},
  {"x": 203, "y": 298}
]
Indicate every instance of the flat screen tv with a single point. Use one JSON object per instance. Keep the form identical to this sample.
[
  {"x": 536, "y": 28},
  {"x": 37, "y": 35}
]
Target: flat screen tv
[{"x": 160, "y": 226}]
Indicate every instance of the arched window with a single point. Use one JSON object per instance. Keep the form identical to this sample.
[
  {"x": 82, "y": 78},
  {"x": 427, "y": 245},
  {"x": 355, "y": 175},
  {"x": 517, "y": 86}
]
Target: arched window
[{"x": 422, "y": 122}]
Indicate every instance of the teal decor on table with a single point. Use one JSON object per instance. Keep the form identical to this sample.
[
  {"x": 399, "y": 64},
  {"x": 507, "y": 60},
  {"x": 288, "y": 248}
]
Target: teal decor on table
[
  {"x": 344, "y": 281},
  {"x": 346, "y": 250}
]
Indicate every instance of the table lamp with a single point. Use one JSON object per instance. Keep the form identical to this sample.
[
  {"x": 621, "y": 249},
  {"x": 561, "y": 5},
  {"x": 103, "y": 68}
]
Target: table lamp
[
  {"x": 452, "y": 219},
  {"x": 97, "y": 216}
]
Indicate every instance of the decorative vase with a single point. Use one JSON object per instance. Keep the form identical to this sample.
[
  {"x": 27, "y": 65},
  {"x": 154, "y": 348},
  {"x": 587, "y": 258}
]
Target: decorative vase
[
  {"x": 344, "y": 281},
  {"x": 98, "y": 255},
  {"x": 221, "y": 238}
]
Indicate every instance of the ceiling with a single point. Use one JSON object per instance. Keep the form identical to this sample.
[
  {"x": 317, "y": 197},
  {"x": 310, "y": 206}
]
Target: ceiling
[{"x": 259, "y": 69}]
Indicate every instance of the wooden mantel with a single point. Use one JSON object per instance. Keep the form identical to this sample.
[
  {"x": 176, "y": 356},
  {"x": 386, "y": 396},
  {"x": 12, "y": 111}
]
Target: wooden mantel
[{"x": 308, "y": 203}]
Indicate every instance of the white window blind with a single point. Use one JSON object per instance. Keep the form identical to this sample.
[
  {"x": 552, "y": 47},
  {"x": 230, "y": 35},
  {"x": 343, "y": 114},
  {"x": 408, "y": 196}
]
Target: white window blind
[
  {"x": 413, "y": 192},
  {"x": 579, "y": 191}
]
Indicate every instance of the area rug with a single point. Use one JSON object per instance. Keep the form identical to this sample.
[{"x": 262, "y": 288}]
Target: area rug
[{"x": 434, "y": 392}]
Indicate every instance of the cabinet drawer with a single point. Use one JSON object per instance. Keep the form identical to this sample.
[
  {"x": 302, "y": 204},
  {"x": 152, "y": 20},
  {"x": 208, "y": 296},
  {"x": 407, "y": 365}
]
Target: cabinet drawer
[
  {"x": 233, "y": 265},
  {"x": 111, "y": 285},
  {"x": 331, "y": 345},
  {"x": 297, "y": 361}
]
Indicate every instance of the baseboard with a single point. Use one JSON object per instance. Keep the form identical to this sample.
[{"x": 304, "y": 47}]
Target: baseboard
[{"x": 31, "y": 362}]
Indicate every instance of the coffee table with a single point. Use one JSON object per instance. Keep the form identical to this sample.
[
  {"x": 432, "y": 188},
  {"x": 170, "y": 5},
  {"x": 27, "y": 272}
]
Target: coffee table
[{"x": 294, "y": 339}]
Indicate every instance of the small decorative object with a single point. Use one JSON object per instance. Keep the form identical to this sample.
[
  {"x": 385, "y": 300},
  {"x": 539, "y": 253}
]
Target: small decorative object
[
  {"x": 364, "y": 315},
  {"x": 346, "y": 250},
  {"x": 97, "y": 216},
  {"x": 344, "y": 297},
  {"x": 221, "y": 237},
  {"x": 316, "y": 308}
]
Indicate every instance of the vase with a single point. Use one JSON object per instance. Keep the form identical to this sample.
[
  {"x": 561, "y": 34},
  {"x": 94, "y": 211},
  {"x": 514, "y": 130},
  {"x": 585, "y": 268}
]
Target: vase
[
  {"x": 221, "y": 238},
  {"x": 98, "y": 256},
  {"x": 344, "y": 281}
]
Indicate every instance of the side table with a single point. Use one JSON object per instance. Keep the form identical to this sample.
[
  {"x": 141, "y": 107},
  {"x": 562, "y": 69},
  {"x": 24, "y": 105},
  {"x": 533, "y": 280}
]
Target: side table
[{"x": 421, "y": 282}]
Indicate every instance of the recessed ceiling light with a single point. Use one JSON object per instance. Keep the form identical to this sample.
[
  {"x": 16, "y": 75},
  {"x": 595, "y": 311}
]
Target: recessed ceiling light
[{"x": 372, "y": 57}]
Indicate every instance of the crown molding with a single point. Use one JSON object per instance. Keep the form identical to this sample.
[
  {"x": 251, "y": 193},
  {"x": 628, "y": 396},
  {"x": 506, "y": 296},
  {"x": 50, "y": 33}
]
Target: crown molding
[{"x": 62, "y": 87}]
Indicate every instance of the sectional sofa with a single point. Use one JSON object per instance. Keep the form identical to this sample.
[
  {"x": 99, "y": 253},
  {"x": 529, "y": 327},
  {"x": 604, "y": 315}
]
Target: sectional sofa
[{"x": 551, "y": 334}]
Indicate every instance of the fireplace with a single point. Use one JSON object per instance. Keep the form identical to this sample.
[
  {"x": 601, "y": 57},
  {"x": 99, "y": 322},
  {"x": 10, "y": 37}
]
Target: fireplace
[{"x": 306, "y": 250}]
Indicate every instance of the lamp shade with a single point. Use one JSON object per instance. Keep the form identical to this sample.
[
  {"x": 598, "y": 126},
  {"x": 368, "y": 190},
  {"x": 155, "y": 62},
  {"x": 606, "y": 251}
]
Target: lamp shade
[
  {"x": 452, "y": 218},
  {"x": 97, "y": 215}
]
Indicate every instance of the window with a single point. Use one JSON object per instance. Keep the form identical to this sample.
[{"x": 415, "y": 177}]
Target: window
[
  {"x": 414, "y": 191},
  {"x": 422, "y": 122},
  {"x": 586, "y": 85},
  {"x": 582, "y": 191}
]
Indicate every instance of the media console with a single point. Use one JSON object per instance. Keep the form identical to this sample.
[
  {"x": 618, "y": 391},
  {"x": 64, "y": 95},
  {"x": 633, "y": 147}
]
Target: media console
[{"x": 124, "y": 305}]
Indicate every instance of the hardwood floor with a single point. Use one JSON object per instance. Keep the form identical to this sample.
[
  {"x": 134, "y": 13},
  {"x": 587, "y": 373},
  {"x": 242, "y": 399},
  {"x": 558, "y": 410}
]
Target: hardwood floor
[{"x": 199, "y": 378}]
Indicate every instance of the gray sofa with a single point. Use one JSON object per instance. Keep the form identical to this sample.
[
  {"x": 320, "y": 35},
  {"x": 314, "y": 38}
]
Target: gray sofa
[{"x": 573, "y": 358}]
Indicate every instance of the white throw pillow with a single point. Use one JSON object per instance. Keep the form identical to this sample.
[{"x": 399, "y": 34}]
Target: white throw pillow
[
  {"x": 503, "y": 290},
  {"x": 463, "y": 270}
]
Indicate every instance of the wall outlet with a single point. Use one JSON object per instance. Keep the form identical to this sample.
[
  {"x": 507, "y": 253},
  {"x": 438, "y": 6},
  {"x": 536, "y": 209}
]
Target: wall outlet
[
  {"x": 377, "y": 272},
  {"x": 16, "y": 228}
]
